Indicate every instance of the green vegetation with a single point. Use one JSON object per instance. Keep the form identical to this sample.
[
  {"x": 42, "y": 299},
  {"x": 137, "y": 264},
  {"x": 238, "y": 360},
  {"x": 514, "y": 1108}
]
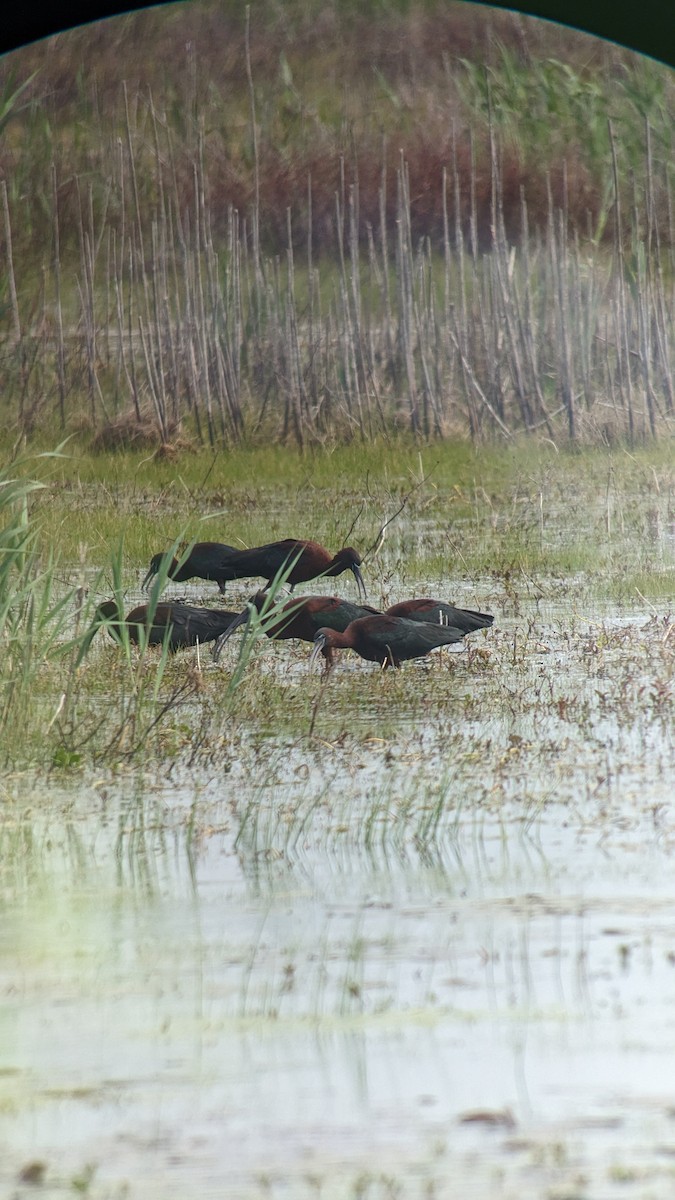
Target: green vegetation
[
  {"x": 505, "y": 531},
  {"x": 485, "y": 509}
]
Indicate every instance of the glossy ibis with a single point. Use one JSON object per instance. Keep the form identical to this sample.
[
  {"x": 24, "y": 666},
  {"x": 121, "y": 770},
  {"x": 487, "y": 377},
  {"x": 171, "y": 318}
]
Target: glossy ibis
[
  {"x": 188, "y": 625},
  {"x": 306, "y": 560},
  {"x": 301, "y": 617},
  {"x": 206, "y": 560},
  {"x": 436, "y": 612},
  {"x": 386, "y": 639}
]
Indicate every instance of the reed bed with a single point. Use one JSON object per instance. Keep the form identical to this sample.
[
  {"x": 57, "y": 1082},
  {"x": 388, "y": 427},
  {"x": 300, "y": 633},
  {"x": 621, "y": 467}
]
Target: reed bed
[
  {"x": 174, "y": 337},
  {"x": 465, "y": 298}
]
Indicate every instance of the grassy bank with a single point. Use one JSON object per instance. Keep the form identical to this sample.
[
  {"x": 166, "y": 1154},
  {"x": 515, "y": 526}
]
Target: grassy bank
[{"x": 492, "y": 503}]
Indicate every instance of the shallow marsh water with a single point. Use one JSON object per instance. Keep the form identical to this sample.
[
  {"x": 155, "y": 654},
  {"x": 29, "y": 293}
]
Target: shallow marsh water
[
  {"x": 359, "y": 968},
  {"x": 429, "y": 951}
]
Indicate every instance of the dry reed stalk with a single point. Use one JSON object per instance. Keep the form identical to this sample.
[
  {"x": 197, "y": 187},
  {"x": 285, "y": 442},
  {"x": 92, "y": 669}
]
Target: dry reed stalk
[
  {"x": 567, "y": 393},
  {"x": 122, "y": 357},
  {"x": 16, "y": 319},
  {"x": 483, "y": 335},
  {"x": 157, "y": 324},
  {"x": 621, "y": 306},
  {"x": 529, "y": 321},
  {"x": 473, "y": 382},
  {"x": 60, "y": 346},
  {"x": 362, "y": 371},
  {"x": 201, "y": 357},
  {"x": 386, "y": 283},
  {"x": 294, "y": 380},
  {"x": 462, "y": 323},
  {"x": 658, "y": 314},
  {"x": 255, "y": 218},
  {"x": 86, "y": 286},
  {"x": 404, "y": 292}
]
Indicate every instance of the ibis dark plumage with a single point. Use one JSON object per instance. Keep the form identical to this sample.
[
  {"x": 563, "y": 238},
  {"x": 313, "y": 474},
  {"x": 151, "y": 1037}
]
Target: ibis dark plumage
[
  {"x": 387, "y": 640},
  {"x": 206, "y": 560},
  {"x": 300, "y": 617},
  {"x": 437, "y": 612},
  {"x": 187, "y": 624},
  {"x": 303, "y": 560}
]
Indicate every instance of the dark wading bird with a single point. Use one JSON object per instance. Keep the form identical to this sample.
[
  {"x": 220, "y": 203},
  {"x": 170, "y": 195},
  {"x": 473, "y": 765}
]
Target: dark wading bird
[
  {"x": 306, "y": 560},
  {"x": 188, "y": 625},
  {"x": 436, "y": 612},
  {"x": 387, "y": 640},
  {"x": 301, "y": 617},
  {"x": 206, "y": 560},
  {"x": 302, "y": 560}
]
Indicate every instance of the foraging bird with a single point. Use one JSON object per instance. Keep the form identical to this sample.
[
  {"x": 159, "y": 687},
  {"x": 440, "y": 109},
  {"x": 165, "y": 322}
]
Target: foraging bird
[
  {"x": 436, "y": 612},
  {"x": 386, "y": 639},
  {"x": 210, "y": 560},
  {"x": 187, "y": 624},
  {"x": 300, "y": 618},
  {"x": 206, "y": 560},
  {"x": 306, "y": 560}
]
